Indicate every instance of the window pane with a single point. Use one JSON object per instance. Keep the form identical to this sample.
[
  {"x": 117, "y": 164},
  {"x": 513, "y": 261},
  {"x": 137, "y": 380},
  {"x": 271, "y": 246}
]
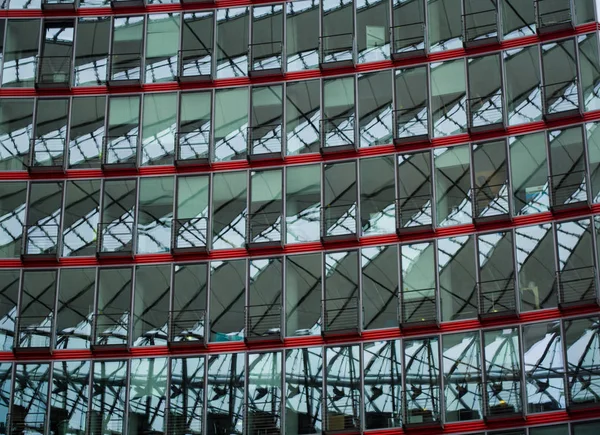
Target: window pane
[
  {"x": 231, "y": 122},
  {"x": 264, "y": 392},
  {"x": 194, "y": 125},
  {"x": 36, "y": 314},
  {"x": 13, "y": 197},
  {"x": 9, "y": 294},
  {"x": 229, "y": 210},
  {"x": 226, "y": 406},
  {"x": 87, "y": 131},
  {"x": 373, "y": 21},
  {"x": 266, "y": 49},
  {"x": 69, "y": 399},
  {"x": 589, "y": 61},
  {"x": 127, "y": 45},
  {"x": 302, "y": 29},
  {"x": 75, "y": 309},
  {"x": 263, "y": 312},
  {"x": 190, "y": 296},
  {"x": 113, "y": 307},
  {"x": 338, "y": 112},
  {"x": 43, "y": 218},
  {"x": 485, "y": 91},
  {"x": 340, "y": 199},
  {"x": 581, "y": 337},
  {"x": 158, "y": 126},
  {"x": 415, "y": 190},
  {"x": 418, "y": 288},
  {"x": 341, "y": 302},
  {"x": 457, "y": 277},
  {"x": 568, "y": 169},
  {"x": 560, "y": 89},
  {"x": 5, "y": 388},
  {"x": 109, "y": 386},
  {"x": 162, "y": 42},
  {"x": 191, "y": 213},
  {"x": 529, "y": 171},
  {"x": 232, "y": 42},
  {"x": 411, "y": 118},
  {"x": 147, "y": 396},
  {"x": 303, "y": 115},
  {"x": 453, "y": 185},
  {"x": 448, "y": 97},
  {"x": 337, "y": 31},
  {"x": 380, "y": 287},
  {"x": 422, "y": 373},
  {"x": 375, "y": 109},
  {"x": 303, "y": 294},
  {"x": 151, "y": 302},
  {"x": 518, "y": 18},
  {"x": 343, "y": 388},
  {"x": 80, "y": 223},
  {"x": 50, "y": 132},
  {"x": 186, "y": 404},
  {"x": 303, "y": 203},
  {"x": 91, "y": 51},
  {"x": 197, "y": 44},
  {"x": 523, "y": 93},
  {"x": 266, "y": 124},
  {"x": 30, "y": 397},
  {"x": 155, "y": 214},
  {"x": 377, "y": 195},
  {"x": 118, "y": 210},
  {"x": 20, "y": 50},
  {"x": 445, "y": 28},
  {"x": 491, "y": 194},
  {"x": 227, "y": 300},
  {"x": 593, "y": 143},
  {"x": 123, "y": 130},
  {"x": 266, "y": 206},
  {"x": 303, "y": 378},
  {"x": 16, "y": 132},
  {"x": 496, "y": 273}
]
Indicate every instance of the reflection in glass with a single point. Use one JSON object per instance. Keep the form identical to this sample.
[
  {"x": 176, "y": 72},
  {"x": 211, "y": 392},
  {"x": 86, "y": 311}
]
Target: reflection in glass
[
  {"x": 186, "y": 397},
  {"x": 583, "y": 347},
  {"x": 304, "y": 390},
  {"x": 408, "y": 31},
  {"x": 377, "y": 195},
  {"x": 155, "y": 214},
  {"x": 227, "y": 300},
  {"x": 302, "y": 32},
  {"x": 448, "y": 97},
  {"x": 415, "y": 190},
  {"x": 87, "y": 131},
  {"x": 303, "y": 115},
  {"x": 9, "y": 294},
  {"x": 266, "y": 48},
  {"x": 411, "y": 117},
  {"x": 589, "y": 64},
  {"x": 303, "y": 200},
  {"x": 147, "y": 396},
  {"x": 151, "y": 302},
  {"x": 567, "y": 167},
  {"x": 189, "y": 299},
  {"x": 266, "y": 207},
  {"x": 69, "y": 399},
  {"x": 232, "y": 42},
  {"x": 82, "y": 211},
  {"x": 127, "y": 44},
  {"x": 303, "y": 294},
  {"x": 496, "y": 280},
  {"x": 491, "y": 190},
  {"x": 159, "y": 125},
  {"x": 266, "y": 124},
  {"x": 5, "y": 388},
  {"x": 339, "y": 210},
  {"x": 380, "y": 286},
  {"x": 373, "y": 22},
  {"x": 485, "y": 92},
  {"x": 195, "y": 56},
  {"x": 342, "y": 383},
  {"x": 225, "y": 393},
  {"x": 560, "y": 91},
  {"x": 121, "y": 143},
  {"x": 523, "y": 77},
  {"x": 16, "y": 132},
  {"x": 162, "y": 41},
  {"x": 91, "y": 50},
  {"x": 339, "y": 113},
  {"x": 30, "y": 398},
  {"x": 20, "y": 51},
  {"x": 35, "y": 325},
  {"x": 529, "y": 173},
  {"x": 457, "y": 278},
  {"x": 375, "y": 109},
  {"x": 193, "y": 137},
  {"x": 231, "y": 123},
  {"x": 13, "y": 197},
  {"x": 518, "y": 18},
  {"x": 43, "y": 218},
  {"x": 48, "y": 144},
  {"x": 109, "y": 387},
  {"x": 337, "y": 43},
  {"x": 113, "y": 307},
  {"x": 75, "y": 308},
  {"x": 118, "y": 211},
  {"x": 341, "y": 305},
  {"x": 453, "y": 185},
  {"x": 263, "y": 313},
  {"x": 445, "y": 25},
  {"x": 264, "y": 393},
  {"x": 418, "y": 289},
  {"x": 229, "y": 210}
]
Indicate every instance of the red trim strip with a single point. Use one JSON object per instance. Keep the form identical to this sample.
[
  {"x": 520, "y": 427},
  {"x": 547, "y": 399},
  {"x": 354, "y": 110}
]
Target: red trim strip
[{"x": 292, "y": 76}]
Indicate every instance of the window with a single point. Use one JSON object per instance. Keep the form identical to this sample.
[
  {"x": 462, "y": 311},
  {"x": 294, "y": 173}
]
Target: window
[
  {"x": 264, "y": 377},
  {"x": 303, "y": 412},
  {"x": 589, "y": 64},
  {"x": 485, "y": 92},
  {"x": 43, "y": 219},
  {"x": 411, "y": 118},
  {"x": 418, "y": 302},
  {"x": 195, "y": 56},
  {"x": 186, "y": 409},
  {"x": 147, "y": 397},
  {"x": 109, "y": 389},
  {"x": 380, "y": 286},
  {"x": 491, "y": 195},
  {"x": 529, "y": 173},
  {"x": 266, "y": 124},
  {"x": 231, "y": 123},
  {"x": 125, "y": 62},
  {"x": 342, "y": 300},
  {"x": 377, "y": 195},
  {"x": 303, "y": 294},
  {"x": 193, "y": 138},
  {"x": 117, "y": 219},
  {"x": 264, "y": 310},
  {"x": 408, "y": 28},
  {"x": 16, "y": 132},
  {"x": 20, "y": 50},
  {"x": 30, "y": 397},
  {"x": 480, "y": 22},
  {"x": 13, "y": 196},
  {"x": 162, "y": 43},
  {"x": 593, "y": 144},
  {"x": 518, "y": 18},
  {"x": 560, "y": 91},
  {"x": 337, "y": 45},
  {"x": 342, "y": 386},
  {"x": 340, "y": 207},
  {"x": 150, "y": 313},
  {"x": 232, "y": 42},
  {"x": 55, "y": 64},
  {"x": 415, "y": 191},
  {"x": 581, "y": 339},
  {"x": 266, "y": 207},
  {"x": 159, "y": 126},
  {"x": 448, "y": 97},
  {"x": 87, "y": 131},
  {"x": 266, "y": 46},
  {"x": 523, "y": 91},
  {"x": 373, "y": 22},
  {"x": 189, "y": 300},
  {"x": 445, "y": 25},
  {"x": 50, "y": 136},
  {"x": 70, "y": 393},
  {"x": 35, "y": 324},
  {"x": 120, "y": 146},
  {"x": 225, "y": 411},
  {"x": 303, "y": 115},
  {"x": 229, "y": 210},
  {"x": 75, "y": 310},
  {"x": 227, "y": 300},
  {"x": 302, "y": 31},
  {"x": 82, "y": 211},
  {"x": 191, "y": 212},
  {"x": 375, "y": 109},
  {"x": 303, "y": 203},
  {"x": 568, "y": 179},
  {"x": 91, "y": 51},
  {"x": 339, "y": 115},
  {"x": 453, "y": 185},
  {"x": 9, "y": 295},
  {"x": 155, "y": 214}
]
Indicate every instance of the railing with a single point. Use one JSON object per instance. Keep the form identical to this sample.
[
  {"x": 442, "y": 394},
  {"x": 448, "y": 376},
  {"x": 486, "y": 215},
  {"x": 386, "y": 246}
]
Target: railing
[
  {"x": 409, "y": 35},
  {"x": 107, "y": 327},
  {"x": 264, "y": 139},
  {"x": 485, "y": 196},
  {"x": 483, "y": 111},
  {"x": 472, "y": 30},
  {"x": 341, "y": 314},
  {"x": 549, "y": 16},
  {"x": 576, "y": 285},
  {"x": 34, "y": 331},
  {"x": 496, "y": 296},
  {"x": 263, "y": 320},
  {"x": 40, "y": 239},
  {"x": 265, "y": 56},
  {"x": 194, "y": 145},
  {"x": 195, "y": 62},
  {"x": 414, "y": 210},
  {"x": 53, "y": 70},
  {"x": 115, "y": 237},
  {"x": 189, "y": 233},
  {"x": 564, "y": 186},
  {"x": 50, "y": 150},
  {"x": 117, "y": 150},
  {"x": 338, "y": 220},
  {"x": 124, "y": 66},
  {"x": 182, "y": 422},
  {"x": 560, "y": 97},
  {"x": 18, "y": 423},
  {"x": 259, "y": 223},
  {"x": 187, "y": 326},
  {"x": 408, "y": 124},
  {"x": 418, "y": 306},
  {"x": 336, "y": 48},
  {"x": 337, "y": 131}
]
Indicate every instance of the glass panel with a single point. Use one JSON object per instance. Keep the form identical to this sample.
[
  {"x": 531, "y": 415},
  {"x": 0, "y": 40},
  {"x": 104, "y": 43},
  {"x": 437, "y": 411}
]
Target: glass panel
[
  {"x": 529, "y": 171},
  {"x": 340, "y": 199},
  {"x": 191, "y": 212},
  {"x": 560, "y": 92},
  {"x": 523, "y": 93},
  {"x": 186, "y": 398},
  {"x": 151, "y": 302},
  {"x": 232, "y": 42},
  {"x": 338, "y": 113},
  {"x": 375, "y": 109},
  {"x": 127, "y": 46},
  {"x": 54, "y": 66},
  {"x": 229, "y": 210},
  {"x": 147, "y": 396},
  {"x": 87, "y": 131},
  {"x": 50, "y": 132},
  {"x": 583, "y": 346},
  {"x": 155, "y": 214},
  {"x": 556, "y": 429},
  {"x": 418, "y": 298},
  {"x": 343, "y": 388},
  {"x": 190, "y": 294},
  {"x": 480, "y": 20},
  {"x": 91, "y": 51},
  {"x": 30, "y": 398},
  {"x": 415, "y": 200},
  {"x": 496, "y": 273},
  {"x": 544, "y": 367},
  {"x": 13, "y": 197},
  {"x": 162, "y": 42},
  {"x": 227, "y": 300},
  {"x": 109, "y": 386},
  {"x": 16, "y": 132},
  {"x": 304, "y": 380},
  {"x": 36, "y": 323},
  {"x": 518, "y": 18},
  {"x": 43, "y": 218},
  {"x": 411, "y": 117},
  {"x": 9, "y": 294},
  {"x": 462, "y": 376},
  {"x": 303, "y": 298},
  {"x": 196, "y": 44},
  {"x": 82, "y": 211},
  {"x": 302, "y": 33},
  {"x": 408, "y": 32},
  {"x": 457, "y": 278},
  {"x": 225, "y": 393},
  {"x": 337, "y": 30},
  {"x": 158, "y": 129},
  {"x": 586, "y": 428},
  {"x": 589, "y": 64},
  {"x": 567, "y": 158},
  {"x": 231, "y": 123},
  {"x": 69, "y": 399},
  {"x": 377, "y": 195},
  {"x": 448, "y": 97},
  {"x": 341, "y": 304},
  {"x": 383, "y": 384},
  {"x": 445, "y": 24},
  {"x": 593, "y": 143},
  {"x": 535, "y": 262},
  {"x": 267, "y": 120},
  {"x": 485, "y": 91},
  {"x": 20, "y": 51},
  {"x": 113, "y": 307},
  {"x": 123, "y": 130},
  {"x": 118, "y": 210},
  {"x": 5, "y": 387},
  {"x": 263, "y": 314},
  {"x": 380, "y": 286},
  {"x": 490, "y": 167},
  {"x": 266, "y": 51},
  {"x": 303, "y": 201},
  {"x": 194, "y": 125},
  {"x": 266, "y": 206},
  {"x": 303, "y": 115},
  {"x": 373, "y": 22},
  {"x": 264, "y": 393},
  {"x": 503, "y": 372},
  {"x": 453, "y": 185},
  {"x": 422, "y": 380},
  {"x": 75, "y": 310}
]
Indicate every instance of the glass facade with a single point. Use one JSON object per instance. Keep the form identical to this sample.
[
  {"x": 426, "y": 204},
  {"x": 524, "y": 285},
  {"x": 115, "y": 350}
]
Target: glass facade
[{"x": 299, "y": 217}]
